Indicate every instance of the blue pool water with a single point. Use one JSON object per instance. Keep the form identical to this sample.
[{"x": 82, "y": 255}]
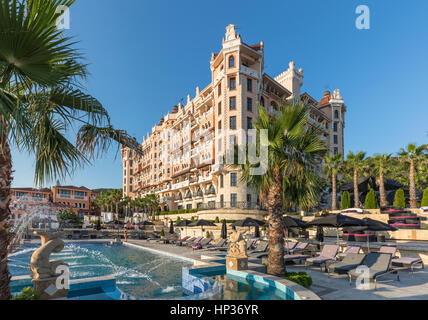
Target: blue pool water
[
  {"x": 138, "y": 273},
  {"x": 142, "y": 274}
]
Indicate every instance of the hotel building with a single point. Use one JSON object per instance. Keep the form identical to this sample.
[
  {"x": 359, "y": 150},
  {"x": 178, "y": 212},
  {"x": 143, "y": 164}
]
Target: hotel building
[{"x": 180, "y": 160}]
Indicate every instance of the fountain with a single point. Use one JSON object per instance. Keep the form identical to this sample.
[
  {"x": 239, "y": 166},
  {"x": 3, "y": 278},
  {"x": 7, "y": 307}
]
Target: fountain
[
  {"x": 45, "y": 273},
  {"x": 237, "y": 258}
]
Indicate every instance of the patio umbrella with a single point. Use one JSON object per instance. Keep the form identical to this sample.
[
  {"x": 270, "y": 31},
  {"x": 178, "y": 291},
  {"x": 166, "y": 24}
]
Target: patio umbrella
[
  {"x": 290, "y": 222},
  {"x": 202, "y": 223},
  {"x": 337, "y": 221},
  {"x": 248, "y": 222},
  {"x": 224, "y": 230},
  {"x": 257, "y": 232},
  {"x": 372, "y": 225},
  {"x": 183, "y": 223},
  {"x": 171, "y": 228}
]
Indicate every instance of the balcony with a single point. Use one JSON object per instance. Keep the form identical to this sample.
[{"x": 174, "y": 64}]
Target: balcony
[
  {"x": 249, "y": 71},
  {"x": 205, "y": 178},
  {"x": 239, "y": 205}
]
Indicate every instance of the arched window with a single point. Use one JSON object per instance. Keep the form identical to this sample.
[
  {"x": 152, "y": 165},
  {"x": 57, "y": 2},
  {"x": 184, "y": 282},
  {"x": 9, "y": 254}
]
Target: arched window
[
  {"x": 336, "y": 114},
  {"x": 262, "y": 101},
  {"x": 231, "y": 62},
  {"x": 179, "y": 196},
  {"x": 189, "y": 195},
  {"x": 200, "y": 193},
  {"x": 211, "y": 190}
]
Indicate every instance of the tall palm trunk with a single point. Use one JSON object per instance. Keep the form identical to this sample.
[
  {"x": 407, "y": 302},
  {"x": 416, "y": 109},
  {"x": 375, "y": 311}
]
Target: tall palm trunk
[
  {"x": 276, "y": 265},
  {"x": 356, "y": 193},
  {"x": 5, "y": 193},
  {"x": 412, "y": 187},
  {"x": 382, "y": 194},
  {"x": 334, "y": 194}
]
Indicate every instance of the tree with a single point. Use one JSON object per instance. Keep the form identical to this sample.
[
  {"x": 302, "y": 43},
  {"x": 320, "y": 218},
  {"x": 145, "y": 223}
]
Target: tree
[
  {"x": 355, "y": 162},
  {"x": 382, "y": 165},
  {"x": 399, "y": 200},
  {"x": 293, "y": 150},
  {"x": 424, "y": 202},
  {"x": 370, "y": 202},
  {"x": 346, "y": 201},
  {"x": 41, "y": 101},
  {"x": 332, "y": 165},
  {"x": 411, "y": 155}
]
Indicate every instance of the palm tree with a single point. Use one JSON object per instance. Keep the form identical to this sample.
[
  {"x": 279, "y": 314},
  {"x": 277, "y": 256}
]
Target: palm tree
[
  {"x": 332, "y": 165},
  {"x": 292, "y": 148},
  {"x": 411, "y": 155},
  {"x": 40, "y": 100},
  {"x": 382, "y": 165},
  {"x": 355, "y": 162},
  {"x": 152, "y": 203}
]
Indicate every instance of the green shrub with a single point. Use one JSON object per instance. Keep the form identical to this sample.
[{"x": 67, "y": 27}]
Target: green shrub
[
  {"x": 193, "y": 219},
  {"x": 346, "y": 201},
  {"x": 208, "y": 235},
  {"x": 301, "y": 278},
  {"x": 162, "y": 233},
  {"x": 178, "y": 219},
  {"x": 424, "y": 202},
  {"x": 370, "y": 202},
  {"x": 399, "y": 201},
  {"x": 181, "y": 211},
  {"x": 217, "y": 220},
  {"x": 27, "y": 294}
]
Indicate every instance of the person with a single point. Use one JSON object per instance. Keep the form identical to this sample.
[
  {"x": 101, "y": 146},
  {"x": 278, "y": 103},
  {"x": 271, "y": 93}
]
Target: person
[{"x": 125, "y": 234}]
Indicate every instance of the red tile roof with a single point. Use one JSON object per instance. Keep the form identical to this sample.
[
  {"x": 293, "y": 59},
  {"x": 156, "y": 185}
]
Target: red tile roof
[
  {"x": 74, "y": 188},
  {"x": 31, "y": 189},
  {"x": 326, "y": 99}
]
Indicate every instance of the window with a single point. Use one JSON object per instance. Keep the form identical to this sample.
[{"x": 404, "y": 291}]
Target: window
[
  {"x": 249, "y": 123},
  {"x": 222, "y": 201},
  {"x": 249, "y": 104},
  {"x": 130, "y": 189},
  {"x": 249, "y": 198},
  {"x": 221, "y": 181},
  {"x": 231, "y": 62},
  {"x": 335, "y": 127},
  {"x": 233, "y": 141},
  {"x": 232, "y": 103},
  {"x": 131, "y": 181},
  {"x": 233, "y": 199},
  {"x": 131, "y": 163},
  {"x": 131, "y": 172},
  {"x": 335, "y": 150},
  {"x": 64, "y": 192},
  {"x": 249, "y": 85},
  {"x": 219, "y": 108},
  {"x": 219, "y": 90},
  {"x": 189, "y": 206},
  {"x": 336, "y": 114},
  {"x": 262, "y": 101},
  {"x": 219, "y": 125},
  {"x": 232, "y": 84},
  {"x": 80, "y": 194},
  {"x": 233, "y": 179},
  {"x": 335, "y": 139},
  {"x": 219, "y": 144},
  {"x": 232, "y": 123}
]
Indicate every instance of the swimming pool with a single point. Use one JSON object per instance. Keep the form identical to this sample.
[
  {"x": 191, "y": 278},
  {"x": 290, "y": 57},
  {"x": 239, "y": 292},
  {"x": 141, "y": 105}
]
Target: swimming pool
[{"x": 140, "y": 274}]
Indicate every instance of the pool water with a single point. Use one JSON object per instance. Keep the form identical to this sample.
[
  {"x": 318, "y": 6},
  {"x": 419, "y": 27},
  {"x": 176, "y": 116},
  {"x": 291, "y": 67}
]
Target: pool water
[{"x": 140, "y": 274}]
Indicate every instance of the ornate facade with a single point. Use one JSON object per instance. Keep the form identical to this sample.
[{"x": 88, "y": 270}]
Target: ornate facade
[{"x": 180, "y": 157}]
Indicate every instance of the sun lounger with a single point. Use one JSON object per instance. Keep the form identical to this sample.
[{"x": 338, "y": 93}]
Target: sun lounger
[
  {"x": 179, "y": 241},
  {"x": 250, "y": 244},
  {"x": 388, "y": 249},
  {"x": 328, "y": 253},
  {"x": 296, "y": 257},
  {"x": 348, "y": 250},
  {"x": 349, "y": 262},
  {"x": 378, "y": 264},
  {"x": 201, "y": 244},
  {"x": 261, "y": 247},
  {"x": 221, "y": 244},
  {"x": 407, "y": 263},
  {"x": 299, "y": 247},
  {"x": 190, "y": 243}
]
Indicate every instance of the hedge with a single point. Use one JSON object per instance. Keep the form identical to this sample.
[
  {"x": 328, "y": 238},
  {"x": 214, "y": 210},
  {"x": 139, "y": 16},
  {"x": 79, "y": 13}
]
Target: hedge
[{"x": 301, "y": 278}]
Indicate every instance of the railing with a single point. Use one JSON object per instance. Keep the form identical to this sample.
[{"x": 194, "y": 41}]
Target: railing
[{"x": 242, "y": 205}]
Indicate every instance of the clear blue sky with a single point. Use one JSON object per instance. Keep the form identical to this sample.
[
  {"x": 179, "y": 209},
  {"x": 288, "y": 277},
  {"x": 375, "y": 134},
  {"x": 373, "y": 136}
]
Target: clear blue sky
[{"x": 147, "y": 55}]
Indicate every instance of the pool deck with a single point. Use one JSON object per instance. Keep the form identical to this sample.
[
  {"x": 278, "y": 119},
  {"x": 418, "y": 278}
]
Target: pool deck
[{"x": 410, "y": 287}]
